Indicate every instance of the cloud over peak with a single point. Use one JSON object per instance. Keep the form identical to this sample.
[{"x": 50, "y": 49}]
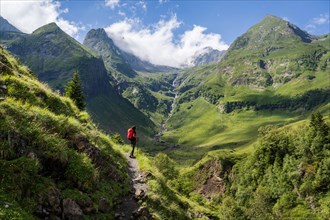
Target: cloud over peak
[
  {"x": 27, "y": 16},
  {"x": 157, "y": 43}
]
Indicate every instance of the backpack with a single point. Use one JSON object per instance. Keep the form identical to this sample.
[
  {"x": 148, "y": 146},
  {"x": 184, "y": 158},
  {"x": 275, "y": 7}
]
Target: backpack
[{"x": 130, "y": 134}]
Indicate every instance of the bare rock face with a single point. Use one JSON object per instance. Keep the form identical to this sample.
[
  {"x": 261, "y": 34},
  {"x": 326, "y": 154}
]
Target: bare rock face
[
  {"x": 207, "y": 55},
  {"x": 71, "y": 210},
  {"x": 214, "y": 185},
  {"x": 212, "y": 175}
]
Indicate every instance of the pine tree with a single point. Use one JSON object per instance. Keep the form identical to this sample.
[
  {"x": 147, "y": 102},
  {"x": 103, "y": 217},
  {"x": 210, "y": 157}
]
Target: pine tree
[{"x": 74, "y": 91}]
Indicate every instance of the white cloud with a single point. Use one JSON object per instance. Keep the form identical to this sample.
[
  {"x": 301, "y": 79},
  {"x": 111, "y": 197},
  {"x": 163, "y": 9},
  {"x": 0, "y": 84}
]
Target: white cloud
[
  {"x": 27, "y": 16},
  {"x": 112, "y": 3},
  {"x": 121, "y": 13},
  {"x": 285, "y": 18},
  {"x": 322, "y": 19},
  {"x": 310, "y": 28},
  {"x": 143, "y": 4},
  {"x": 156, "y": 43}
]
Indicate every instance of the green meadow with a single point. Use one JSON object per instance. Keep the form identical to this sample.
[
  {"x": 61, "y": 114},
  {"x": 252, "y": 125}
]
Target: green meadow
[{"x": 199, "y": 127}]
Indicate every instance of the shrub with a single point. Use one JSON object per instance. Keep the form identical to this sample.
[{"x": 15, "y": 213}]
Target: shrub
[
  {"x": 117, "y": 138},
  {"x": 166, "y": 166}
]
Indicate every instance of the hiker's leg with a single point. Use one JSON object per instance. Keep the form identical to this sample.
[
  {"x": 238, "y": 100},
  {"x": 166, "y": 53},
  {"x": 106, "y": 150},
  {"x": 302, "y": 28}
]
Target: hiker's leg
[{"x": 133, "y": 143}]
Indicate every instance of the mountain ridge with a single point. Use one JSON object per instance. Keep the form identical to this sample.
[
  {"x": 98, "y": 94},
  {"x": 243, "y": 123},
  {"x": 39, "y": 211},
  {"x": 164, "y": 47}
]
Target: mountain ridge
[
  {"x": 98, "y": 40},
  {"x": 252, "y": 78},
  {"x": 270, "y": 30},
  {"x": 54, "y": 56},
  {"x": 148, "y": 89},
  {"x": 6, "y": 26},
  {"x": 207, "y": 55}
]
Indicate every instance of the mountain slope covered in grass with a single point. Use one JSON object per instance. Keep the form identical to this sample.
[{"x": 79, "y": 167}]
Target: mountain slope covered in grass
[
  {"x": 248, "y": 144},
  {"x": 274, "y": 73},
  {"x": 148, "y": 87},
  {"x": 54, "y": 162},
  {"x": 285, "y": 177},
  {"x": 240, "y": 138},
  {"x": 54, "y": 57}
]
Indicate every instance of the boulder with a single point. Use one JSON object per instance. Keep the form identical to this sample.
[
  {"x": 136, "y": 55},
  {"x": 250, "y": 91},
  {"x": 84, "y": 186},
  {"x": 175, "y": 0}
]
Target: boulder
[
  {"x": 87, "y": 205},
  {"x": 3, "y": 87},
  {"x": 49, "y": 204},
  {"x": 71, "y": 210},
  {"x": 142, "y": 213},
  {"x": 139, "y": 194},
  {"x": 54, "y": 201}
]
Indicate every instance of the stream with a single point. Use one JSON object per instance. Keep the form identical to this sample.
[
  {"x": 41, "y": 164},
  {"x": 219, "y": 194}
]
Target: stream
[{"x": 172, "y": 108}]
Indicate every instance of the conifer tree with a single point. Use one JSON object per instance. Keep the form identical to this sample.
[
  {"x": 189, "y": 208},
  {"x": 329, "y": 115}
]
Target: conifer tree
[{"x": 74, "y": 91}]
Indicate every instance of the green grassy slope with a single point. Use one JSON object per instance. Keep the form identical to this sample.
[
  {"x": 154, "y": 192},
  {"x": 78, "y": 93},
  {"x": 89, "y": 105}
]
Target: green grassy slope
[
  {"x": 284, "y": 175},
  {"x": 52, "y": 154},
  {"x": 148, "y": 88},
  {"x": 54, "y": 56},
  {"x": 272, "y": 74},
  {"x": 199, "y": 127},
  {"x": 287, "y": 168},
  {"x": 231, "y": 161},
  {"x": 151, "y": 93}
]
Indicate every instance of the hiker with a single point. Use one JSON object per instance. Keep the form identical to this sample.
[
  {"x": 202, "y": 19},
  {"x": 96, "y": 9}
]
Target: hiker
[{"x": 131, "y": 135}]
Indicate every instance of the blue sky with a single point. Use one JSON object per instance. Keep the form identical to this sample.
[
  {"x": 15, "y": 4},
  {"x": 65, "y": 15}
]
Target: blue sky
[
  {"x": 228, "y": 18},
  {"x": 180, "y": 28}
]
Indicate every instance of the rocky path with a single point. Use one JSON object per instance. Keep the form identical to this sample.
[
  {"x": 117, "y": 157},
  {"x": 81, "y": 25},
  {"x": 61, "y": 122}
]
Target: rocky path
[{"x": 130, "y": 208}]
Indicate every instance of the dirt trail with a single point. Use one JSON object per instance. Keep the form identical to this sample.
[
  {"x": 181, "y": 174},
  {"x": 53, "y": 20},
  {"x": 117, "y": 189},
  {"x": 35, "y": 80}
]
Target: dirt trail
[{"x": 130, "y": 208}]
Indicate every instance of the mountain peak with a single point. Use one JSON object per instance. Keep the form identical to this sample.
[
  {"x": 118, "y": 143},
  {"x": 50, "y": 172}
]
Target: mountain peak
[
  {"x": 273, "y": 17},
  {"x": 6, "y": 26},
  {"x": 97, "y": 33},
  {"x": 51, "y": 27},
  {"x": 206, "y": 56},
  {"x": 271, "y": 30},
  {"x": 99, "y": 42},
  {"x": 100, "y": 31},
  {"x": 271, "y": 21}
]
